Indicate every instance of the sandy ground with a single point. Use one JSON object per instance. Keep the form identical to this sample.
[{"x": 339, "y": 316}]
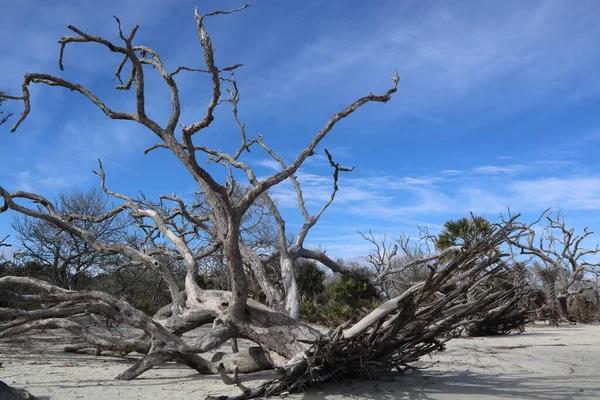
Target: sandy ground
[{"x": 543, "y": 363}]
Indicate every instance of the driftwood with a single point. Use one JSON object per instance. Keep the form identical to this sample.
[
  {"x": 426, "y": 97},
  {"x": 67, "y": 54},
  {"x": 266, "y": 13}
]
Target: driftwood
[
  {"x": 511, "y": 314},
  {"x": 512, "y": 310}
]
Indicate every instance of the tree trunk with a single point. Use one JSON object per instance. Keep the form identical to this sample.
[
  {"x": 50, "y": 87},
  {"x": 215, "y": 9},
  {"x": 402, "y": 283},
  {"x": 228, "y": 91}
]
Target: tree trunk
[
  {"x": 597, "y": 297},
  {"x": 292, "y": 295},
  {"x": 237, "y": 274},
  {"x": 563, "y": 310}
]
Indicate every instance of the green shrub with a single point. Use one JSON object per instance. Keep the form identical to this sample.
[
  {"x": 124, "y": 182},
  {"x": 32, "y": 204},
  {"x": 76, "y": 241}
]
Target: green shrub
[
  {"x": 342, "y": 299},
  {"x": 310, "y": 279}
]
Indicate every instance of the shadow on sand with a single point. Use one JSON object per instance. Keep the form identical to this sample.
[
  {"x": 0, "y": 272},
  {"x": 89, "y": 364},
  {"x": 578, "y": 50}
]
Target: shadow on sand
[{"x": 462, "y": 386}]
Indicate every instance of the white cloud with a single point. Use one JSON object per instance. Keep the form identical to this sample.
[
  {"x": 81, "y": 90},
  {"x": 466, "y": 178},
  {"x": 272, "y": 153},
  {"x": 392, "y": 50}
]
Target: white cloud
[
  {"x": 317, "y": 191},
  {"x": 270, "y": 164},
  {"x": 418, "y": 201},
  {"x": 40, "y": 176},
  {"x": 382, "y": 198},
  {"x": 420, "y": 181},
  {"x": 483, "y": 200},
  {"x": 576, "y": 193},
  {"x": 572, "y": 194},
  {"x": 451, "y": 172},
  {"x": 23, "y": 181},
  {"x": 493, "y": 169},
  {"x": 317, "y": 159}
]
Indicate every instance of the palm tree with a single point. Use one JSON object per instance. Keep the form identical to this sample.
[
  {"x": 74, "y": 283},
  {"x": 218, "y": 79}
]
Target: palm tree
[{"x": 464, "y": 231}]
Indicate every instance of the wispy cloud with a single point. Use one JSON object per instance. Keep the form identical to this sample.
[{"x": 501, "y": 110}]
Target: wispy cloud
[
  {"x": 451, "y": 172},
  {"x": 38, "y": 178},
  {"x": 575, "y": 193},
  {"x": 571, "y": 193},
  {"x": 443, "y": 53},
  {"x": 371, "y": 196},
  {"x": 493, "y": 169},
  {"x": 23, "y": 181},
  {"x": 426, "y": 199},
  {"x": 270, "y": 164}
]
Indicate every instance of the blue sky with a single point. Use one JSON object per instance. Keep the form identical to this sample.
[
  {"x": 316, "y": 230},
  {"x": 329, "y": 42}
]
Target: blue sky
[{"x": 497, "y": 105}]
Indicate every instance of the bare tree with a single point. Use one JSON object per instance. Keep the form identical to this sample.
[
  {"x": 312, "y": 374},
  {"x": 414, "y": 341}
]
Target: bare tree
[
  {"x": 392, "y": 336},
  {"x": 597, "y": 294},
  {"x": 410, "y": 272},
  {"x": 563, "y": 257},
  {"x": 66, "y": 257},
  {"x": 398, "y": 265},
  {"x": 3, "y": 118}
]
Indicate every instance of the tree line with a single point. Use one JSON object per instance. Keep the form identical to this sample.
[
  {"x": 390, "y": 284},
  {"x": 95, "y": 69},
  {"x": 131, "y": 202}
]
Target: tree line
[{"x": 44, "y": 252}]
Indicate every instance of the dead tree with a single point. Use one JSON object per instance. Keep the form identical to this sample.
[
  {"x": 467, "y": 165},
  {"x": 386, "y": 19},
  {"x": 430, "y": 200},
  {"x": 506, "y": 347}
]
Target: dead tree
[
  {"x": 65, "y": 257},
  {"x": 509, "y": 314},
  {"x": 394, "y": 335},
  {"x": 563, "y": 256},
  {"x": 597, "y": 295},
  {"x": 3, "y": 118},
  {"x": 400, "y": 266}
]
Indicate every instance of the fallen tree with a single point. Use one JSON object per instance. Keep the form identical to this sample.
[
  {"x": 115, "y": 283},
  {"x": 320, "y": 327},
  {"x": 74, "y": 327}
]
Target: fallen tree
[
  {"x": 394, "y": 335},
  {"x": 509, "y": 313},
  {"x": 398, "y": 273}
]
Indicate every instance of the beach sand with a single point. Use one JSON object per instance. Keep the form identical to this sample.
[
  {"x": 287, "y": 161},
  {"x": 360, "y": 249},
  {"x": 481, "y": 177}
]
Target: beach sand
[{"x": 543, "y": 363}]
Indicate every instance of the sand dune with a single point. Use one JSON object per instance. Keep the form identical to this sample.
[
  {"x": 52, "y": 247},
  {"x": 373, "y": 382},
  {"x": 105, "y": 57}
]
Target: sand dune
[{"x": 543, "y": 363}]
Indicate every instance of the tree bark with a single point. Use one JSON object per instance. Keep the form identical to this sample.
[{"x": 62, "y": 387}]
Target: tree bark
[{"x": 292, "y": 295}]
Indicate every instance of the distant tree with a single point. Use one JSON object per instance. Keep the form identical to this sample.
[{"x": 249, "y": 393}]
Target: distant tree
[
  {"x": 29, "y": 269},
  {"x": 3, "y": 118},
  {"x": 310, "y": 278},
  {"x": 548, "y": 276},
  {"x": 563, "y": 261},
  {"x": 64, "y": 258},
  {"x": 349, "y": 291},
  {"x": 338, "y": 300},
  {"x": 410, "y": 271}
]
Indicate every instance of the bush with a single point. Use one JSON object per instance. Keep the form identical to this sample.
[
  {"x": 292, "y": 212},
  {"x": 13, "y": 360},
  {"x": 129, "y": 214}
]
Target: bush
[
  {"x": 342, "y": 299},
  {"x": 310, "y": 279}
]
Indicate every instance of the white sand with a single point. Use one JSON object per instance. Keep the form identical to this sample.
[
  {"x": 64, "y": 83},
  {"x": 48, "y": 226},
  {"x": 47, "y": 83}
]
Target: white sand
[{"x": 543, "y": 363}]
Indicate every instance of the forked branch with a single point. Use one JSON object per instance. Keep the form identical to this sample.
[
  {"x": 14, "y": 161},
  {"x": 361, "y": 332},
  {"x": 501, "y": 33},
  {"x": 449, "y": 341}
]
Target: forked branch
[{"x": 273, "y": 180}]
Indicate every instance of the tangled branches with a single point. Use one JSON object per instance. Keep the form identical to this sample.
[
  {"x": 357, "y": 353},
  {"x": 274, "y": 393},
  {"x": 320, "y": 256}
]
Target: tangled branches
[{"x": 414, "y": 324}]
